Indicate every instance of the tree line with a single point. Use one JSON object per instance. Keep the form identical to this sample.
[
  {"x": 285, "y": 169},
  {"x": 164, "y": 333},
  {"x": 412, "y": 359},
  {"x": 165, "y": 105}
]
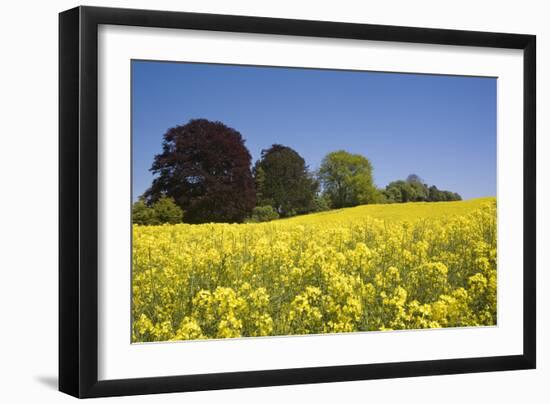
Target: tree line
[{"x": 205, "y": 174}]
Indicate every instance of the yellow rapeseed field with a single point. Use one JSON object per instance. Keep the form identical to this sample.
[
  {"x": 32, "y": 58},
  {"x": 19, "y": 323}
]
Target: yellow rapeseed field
[{"x": 372, "y": 267}]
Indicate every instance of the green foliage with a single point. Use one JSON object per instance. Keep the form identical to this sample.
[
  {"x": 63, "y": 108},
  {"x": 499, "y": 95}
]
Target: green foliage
[
  {"x": 166, "y": 211},
  {"x": 263, "y": 214},
  {"x": 379, "y": 197},
  {"x": 436, "y": 195},
  {"x": 162, "y": 211},
  {"x": 320, "y": 203},
  {"x": 415, "y": 190},
  {"x": 414, "y": 178},
  {"x": 347, "y": 179},
  {"x": 420, "y": 189},
  {"x": 400, "y": 191},
  {"x": 259, "y": 182},
  {"x": 141, "y": 213},
  {"x": 283, "y": 181}
]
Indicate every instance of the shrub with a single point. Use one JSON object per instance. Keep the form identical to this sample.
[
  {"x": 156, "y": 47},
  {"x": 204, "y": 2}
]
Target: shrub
[
  {"x": 320, "y": 203},
  {"x": 163, "y": 211},
  {"x": 263, "y": 214},
  {"x": 141, "y": 213},
  {"x": 166, "y": 211}
]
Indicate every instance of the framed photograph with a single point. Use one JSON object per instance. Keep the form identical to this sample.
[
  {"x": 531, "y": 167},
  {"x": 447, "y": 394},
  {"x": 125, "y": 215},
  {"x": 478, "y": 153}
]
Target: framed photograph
[{"x": 251, "y": 201}]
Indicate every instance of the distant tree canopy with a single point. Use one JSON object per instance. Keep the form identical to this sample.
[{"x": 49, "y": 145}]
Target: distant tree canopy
[
  {"x": 205, "y": 167},
  {"x": 347, "y": 179},
  {"x": 204, "y": 174},
  {"x": 162, "y": 211},
  {"x": 413, "y": 189},
  {"x": 413, "y": 178},
  {"x": 399, "y": 191},
  {"x": 283, "y": 181},
  {"x": 436, "y": 195}
]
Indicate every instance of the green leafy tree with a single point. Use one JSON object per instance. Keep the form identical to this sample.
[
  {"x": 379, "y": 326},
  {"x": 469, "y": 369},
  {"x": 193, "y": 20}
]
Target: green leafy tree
[
  {"x": 259, "y": 182},
  {"x": 162, "y": 211},
  {"x": 400, "y": 191},
  {"x": 434, "y": 194},
  {"x": 263, "y": 214},
  {"x": 321, "y": 203},
  {"x": 412, "y": 178},
  {"x": 414, "y": 190},
  {"x": 141, "y": 213},
  {"x": 347, "y": 179},
  {"x": 437, "y": 195},
  {"x": 421, "y": 192},
  {"x": 166, "y": 211},
  {"x": 452, "y": 196},
  {"x": 283, "y": 181},
  {"x": 380, "y": 196}
]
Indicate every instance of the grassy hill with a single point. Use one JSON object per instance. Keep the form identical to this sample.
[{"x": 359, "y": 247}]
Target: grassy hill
[{"x": 393, "y": 212}]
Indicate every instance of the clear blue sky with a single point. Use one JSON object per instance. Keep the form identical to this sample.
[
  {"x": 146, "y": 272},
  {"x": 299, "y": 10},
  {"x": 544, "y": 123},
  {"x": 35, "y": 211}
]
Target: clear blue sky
[{"x": 442, "y": 128}]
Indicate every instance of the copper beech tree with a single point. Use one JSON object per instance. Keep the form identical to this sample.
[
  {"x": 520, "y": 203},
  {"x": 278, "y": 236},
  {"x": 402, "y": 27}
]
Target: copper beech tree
[{"x": 205, "y": 167}]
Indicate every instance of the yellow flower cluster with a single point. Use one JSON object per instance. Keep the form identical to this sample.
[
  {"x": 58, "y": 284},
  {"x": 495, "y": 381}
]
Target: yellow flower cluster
[{"x": 407, "y": 267}]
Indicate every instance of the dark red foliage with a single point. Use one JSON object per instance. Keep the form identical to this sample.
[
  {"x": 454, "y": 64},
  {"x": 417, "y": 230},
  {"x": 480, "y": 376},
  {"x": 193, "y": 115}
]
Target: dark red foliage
[{"x": 205, "y": 167}]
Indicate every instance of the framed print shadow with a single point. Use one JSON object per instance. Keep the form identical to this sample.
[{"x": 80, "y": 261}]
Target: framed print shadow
[{"x": 250, "y": 201}]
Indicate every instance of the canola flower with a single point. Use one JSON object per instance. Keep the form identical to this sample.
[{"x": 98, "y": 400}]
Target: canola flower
[{"x": 375, "y": 267}]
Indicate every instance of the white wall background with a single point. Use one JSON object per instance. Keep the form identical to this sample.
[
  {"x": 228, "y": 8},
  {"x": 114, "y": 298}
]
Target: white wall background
[{"x": 28, "y": 201}]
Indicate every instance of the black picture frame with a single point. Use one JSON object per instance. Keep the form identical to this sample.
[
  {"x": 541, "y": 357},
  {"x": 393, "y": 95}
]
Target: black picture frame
[{"x": 78, "y": 201}]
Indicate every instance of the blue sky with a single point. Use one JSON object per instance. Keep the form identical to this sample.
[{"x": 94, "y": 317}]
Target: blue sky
[{"x": 442, "y": 128}]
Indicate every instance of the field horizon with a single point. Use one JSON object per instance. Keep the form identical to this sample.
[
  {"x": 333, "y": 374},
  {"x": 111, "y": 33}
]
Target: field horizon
[
  {"x": 394, "y": 211},
  {"x": 380, "y": 211}
]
